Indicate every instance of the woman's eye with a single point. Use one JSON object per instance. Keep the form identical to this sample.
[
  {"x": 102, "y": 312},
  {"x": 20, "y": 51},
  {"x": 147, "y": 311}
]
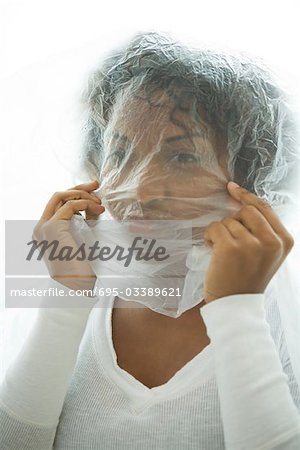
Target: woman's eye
[
  {"x": 185, "y": 158},
  {"x": 182, "y": 159}
]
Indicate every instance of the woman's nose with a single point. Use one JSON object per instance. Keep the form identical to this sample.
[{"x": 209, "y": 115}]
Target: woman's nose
[{"x": 151, "y": 185}]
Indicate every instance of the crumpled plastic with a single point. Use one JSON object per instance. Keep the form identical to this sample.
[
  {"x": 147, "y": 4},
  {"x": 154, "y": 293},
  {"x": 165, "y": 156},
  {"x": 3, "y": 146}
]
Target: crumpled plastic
[{"x": 165, "y": 128}]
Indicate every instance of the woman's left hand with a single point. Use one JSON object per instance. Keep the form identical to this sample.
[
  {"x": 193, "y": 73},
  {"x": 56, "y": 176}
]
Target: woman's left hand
[{"x": 248, "y": 248}]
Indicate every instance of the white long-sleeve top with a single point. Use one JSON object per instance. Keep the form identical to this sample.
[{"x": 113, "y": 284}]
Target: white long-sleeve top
[{"x": 66, "y": 391}]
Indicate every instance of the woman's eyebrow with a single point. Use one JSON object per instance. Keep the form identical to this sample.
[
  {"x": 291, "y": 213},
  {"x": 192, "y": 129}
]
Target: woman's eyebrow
[
  {"x": 124, "y": 138},
  {"x": 183, "y": 136}
]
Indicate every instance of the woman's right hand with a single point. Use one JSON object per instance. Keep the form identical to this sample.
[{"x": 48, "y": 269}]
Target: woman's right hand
[{"x": 54, "y": 225}]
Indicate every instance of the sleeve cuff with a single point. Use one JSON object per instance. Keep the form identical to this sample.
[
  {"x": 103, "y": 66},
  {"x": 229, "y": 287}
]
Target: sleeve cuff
[
  {"x": 238, "y": 309},
  {"x": 239, "y": 319}
]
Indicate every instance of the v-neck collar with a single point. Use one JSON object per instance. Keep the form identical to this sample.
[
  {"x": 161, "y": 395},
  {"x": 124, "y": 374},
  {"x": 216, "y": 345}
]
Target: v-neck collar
[{"x": 193, "y": 373}]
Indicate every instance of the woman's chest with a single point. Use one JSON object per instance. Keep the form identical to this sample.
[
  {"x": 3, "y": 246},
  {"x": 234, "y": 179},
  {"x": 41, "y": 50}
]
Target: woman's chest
[{"x": 153, "y": 356}]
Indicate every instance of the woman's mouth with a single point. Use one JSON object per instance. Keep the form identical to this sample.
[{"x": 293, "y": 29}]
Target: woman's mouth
[{"x": 146, "y": 222}]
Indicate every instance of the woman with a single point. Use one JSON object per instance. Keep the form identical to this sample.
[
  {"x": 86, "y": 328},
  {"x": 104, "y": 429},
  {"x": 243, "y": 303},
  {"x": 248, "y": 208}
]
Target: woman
[{"x": 167, "y": 128}]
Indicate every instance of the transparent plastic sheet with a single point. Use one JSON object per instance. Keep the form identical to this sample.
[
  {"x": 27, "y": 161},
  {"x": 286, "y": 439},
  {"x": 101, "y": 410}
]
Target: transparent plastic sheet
[
  {"x": 180, "y": 274},
  {"x": 287, "y": 291},
  {"x": 165, "y": 127}
]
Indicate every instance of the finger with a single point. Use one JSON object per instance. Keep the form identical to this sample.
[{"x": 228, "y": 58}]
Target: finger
[
  {"x": 76, "y": 195},
  {"x": 89, "y": 215},
  {"x": 217, "y": 232},
  {"x": 255, "y": 222},
  {"x": 90, "y": 186},
  {"x": 247, "y": 198},
  {"x": 236, "y": 228},
  {"x": 71, "y": 207},
  {"x": 59, "y": 198}
]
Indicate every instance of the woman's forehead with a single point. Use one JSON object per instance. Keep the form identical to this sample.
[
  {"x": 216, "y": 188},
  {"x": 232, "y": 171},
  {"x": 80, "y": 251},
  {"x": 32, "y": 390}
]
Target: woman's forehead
[{"x": 137, "y": 116}]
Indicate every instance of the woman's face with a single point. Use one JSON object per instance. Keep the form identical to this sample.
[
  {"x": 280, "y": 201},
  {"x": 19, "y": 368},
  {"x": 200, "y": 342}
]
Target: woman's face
[{"x": 156, "y": 169}]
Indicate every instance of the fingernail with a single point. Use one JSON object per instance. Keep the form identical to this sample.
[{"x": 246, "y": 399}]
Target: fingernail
[{"x": 233, "y": 185}]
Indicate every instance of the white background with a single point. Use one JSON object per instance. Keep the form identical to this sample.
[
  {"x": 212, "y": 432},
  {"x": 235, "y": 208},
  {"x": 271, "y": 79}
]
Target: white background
[{"x": 46, "y": 49}]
